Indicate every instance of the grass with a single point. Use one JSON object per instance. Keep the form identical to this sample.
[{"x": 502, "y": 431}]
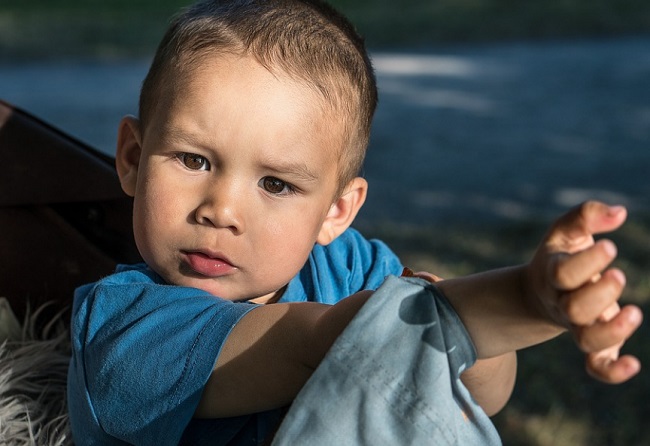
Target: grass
[
  {"x": 431, "y": 22},
  {"x": 555, "y": 403},
  {"x": 42, "y": 29},
  {"x": 120, "y": 28}
]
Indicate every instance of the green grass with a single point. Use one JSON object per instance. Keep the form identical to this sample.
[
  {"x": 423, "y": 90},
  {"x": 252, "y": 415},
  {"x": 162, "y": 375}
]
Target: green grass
[
  {"x": 430, "y": 22},
  {"x": 555, "y": 402},
  {"x": 41, "y": 29},
  {"x": 121, "y": 28}
]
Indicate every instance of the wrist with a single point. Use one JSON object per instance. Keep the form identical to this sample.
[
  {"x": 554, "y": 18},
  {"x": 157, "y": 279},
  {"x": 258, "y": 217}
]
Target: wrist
[{"x": 544, "y": 312}]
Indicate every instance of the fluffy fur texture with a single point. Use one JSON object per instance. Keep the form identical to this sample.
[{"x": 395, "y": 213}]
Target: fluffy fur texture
[{"x": 33, "y": 374}]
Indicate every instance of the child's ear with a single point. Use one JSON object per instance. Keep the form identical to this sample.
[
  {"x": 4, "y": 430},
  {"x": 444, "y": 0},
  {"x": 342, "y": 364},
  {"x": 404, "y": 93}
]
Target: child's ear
[
  {"x": 343, "y": 211},
  {"x": 127, "y": 156}
]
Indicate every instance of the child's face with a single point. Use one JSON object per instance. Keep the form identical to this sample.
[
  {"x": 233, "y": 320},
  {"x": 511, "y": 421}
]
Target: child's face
[{"x": 233, "y": 179}]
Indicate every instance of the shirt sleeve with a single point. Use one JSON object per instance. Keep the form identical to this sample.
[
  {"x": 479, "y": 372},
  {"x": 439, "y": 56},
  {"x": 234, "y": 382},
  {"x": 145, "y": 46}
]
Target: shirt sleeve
[
  {"x": 144, "y": 352},
  {"x": 349, "y": 264}
]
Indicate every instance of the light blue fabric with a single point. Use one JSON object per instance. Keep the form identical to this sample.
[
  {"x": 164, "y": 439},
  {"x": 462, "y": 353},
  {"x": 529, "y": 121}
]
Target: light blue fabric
[
  {"x": 392, "y": 378},
  {"x": 143, "y": 350}
]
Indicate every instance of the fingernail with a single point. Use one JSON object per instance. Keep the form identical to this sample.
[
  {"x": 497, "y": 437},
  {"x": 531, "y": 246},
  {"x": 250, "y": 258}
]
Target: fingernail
[
  {"x": 609, "y": 247},
  {"x": 635, "y": 317},
  {"x": 619, "y": 276},
  {"x": 615, "y": 210},
  {"x": 633, "y": 367}
]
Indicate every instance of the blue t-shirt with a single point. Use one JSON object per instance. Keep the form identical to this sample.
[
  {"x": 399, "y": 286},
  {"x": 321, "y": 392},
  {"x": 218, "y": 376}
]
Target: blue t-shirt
[{"x": 143, "y": 350}]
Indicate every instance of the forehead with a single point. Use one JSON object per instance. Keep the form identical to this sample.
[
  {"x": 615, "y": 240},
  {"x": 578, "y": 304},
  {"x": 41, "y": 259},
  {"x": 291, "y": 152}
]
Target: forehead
[{"x": 214, "y": 93}]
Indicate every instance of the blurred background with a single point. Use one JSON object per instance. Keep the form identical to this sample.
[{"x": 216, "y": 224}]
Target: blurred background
[{"x": 495, "y": 116}]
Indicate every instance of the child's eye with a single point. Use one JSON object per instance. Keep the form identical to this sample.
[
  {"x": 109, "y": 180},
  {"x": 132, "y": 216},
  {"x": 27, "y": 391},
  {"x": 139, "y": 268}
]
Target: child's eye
[
  {"x": 275, "y": 186},
  {"x": 193, "y": 161}
]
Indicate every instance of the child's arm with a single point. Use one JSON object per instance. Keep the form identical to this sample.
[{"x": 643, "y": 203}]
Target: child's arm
[
  {"x": 270, "y": 354},
  {"x": 566, "y": 286},
  {"x": 274, "y": 348},
  {"x": 561, "y": 289},
  {"x": 489, "y": 380}
]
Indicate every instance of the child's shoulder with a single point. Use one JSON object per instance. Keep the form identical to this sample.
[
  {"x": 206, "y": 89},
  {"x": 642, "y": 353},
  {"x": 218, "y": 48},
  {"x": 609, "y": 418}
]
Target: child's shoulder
[
  {"x": 136, "y": 294},
  {"x": 133, "y": 273},
  {"x": 353, "y": 240},
  {"x": 129, "y": 282},
  {"x": 354, "y": 246},
  {"x": 349, "y": 264}
]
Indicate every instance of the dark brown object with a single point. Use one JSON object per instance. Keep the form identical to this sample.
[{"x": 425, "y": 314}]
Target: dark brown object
[{"x": 64, "y": 220}]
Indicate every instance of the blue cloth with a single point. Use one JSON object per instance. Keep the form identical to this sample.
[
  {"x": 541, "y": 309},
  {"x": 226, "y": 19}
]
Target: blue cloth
[
  {"x": 143, "y": 350},
  {"x": 392, "y": 377}
]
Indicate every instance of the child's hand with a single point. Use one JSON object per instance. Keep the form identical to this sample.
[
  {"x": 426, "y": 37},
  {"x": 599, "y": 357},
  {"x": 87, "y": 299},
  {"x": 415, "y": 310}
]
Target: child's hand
[
  {"x": 408, "y": 272},
  {"x": 571, "y": 285}
]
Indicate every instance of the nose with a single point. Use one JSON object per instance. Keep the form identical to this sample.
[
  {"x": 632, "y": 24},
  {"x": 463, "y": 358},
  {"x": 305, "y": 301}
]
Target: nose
[{"x": 221, "y": 207}]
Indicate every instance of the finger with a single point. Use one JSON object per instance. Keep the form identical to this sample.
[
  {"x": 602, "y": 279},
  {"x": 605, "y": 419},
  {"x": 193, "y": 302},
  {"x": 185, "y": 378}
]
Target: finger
[
  {"x": 609, "y": 313},
  {"x": 574, "y": 230},
  {"x": 603, "y": 335},
  {"x": 589, "y": 303},
  {"x": 427, "y": 276},
  {"x": 613, "y": 371},
  {"x": 568, "y": 272},
  {"x": 407, "y": 272}
]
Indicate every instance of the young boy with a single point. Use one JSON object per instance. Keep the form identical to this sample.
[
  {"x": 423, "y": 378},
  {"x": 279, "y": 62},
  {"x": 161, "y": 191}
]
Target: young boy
[{"x": 254, "y": 120}]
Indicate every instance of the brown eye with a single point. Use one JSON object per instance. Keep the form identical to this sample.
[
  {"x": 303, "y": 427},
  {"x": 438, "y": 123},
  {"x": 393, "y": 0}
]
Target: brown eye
[
  {"x": 194, "y": 162},
  {"x": 275, "y": 186}
]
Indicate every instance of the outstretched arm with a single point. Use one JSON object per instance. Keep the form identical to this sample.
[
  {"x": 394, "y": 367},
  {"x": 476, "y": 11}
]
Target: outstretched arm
[
  {"x": 490, "y": 380},
  {"x": 273, "y": 350},
  {"x": 568, "y": 286}
]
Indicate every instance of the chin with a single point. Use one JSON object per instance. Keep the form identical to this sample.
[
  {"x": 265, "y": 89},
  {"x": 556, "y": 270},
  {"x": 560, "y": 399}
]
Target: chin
[{"x": 216, "y": 289}]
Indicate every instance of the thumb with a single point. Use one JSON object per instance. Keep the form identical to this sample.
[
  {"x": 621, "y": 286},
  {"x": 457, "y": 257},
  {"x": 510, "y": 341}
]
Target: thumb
[{"x": 574, "y": 230}]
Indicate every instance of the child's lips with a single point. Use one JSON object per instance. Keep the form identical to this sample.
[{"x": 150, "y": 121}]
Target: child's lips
[{"x": 209, "y": 265}]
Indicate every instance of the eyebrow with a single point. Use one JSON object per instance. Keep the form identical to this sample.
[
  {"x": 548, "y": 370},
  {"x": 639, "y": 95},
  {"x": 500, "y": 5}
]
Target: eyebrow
[
  {"x": 293, "y": 169},
  {"x": 174, "y": 135}
]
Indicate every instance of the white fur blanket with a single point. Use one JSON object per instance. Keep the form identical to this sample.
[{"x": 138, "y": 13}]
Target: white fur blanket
[{"x": 33, "y": 374}]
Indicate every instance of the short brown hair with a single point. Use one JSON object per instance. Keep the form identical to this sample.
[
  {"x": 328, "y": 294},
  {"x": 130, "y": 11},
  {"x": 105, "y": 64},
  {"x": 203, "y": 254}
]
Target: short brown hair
[{"x": 307, "y": 39}]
